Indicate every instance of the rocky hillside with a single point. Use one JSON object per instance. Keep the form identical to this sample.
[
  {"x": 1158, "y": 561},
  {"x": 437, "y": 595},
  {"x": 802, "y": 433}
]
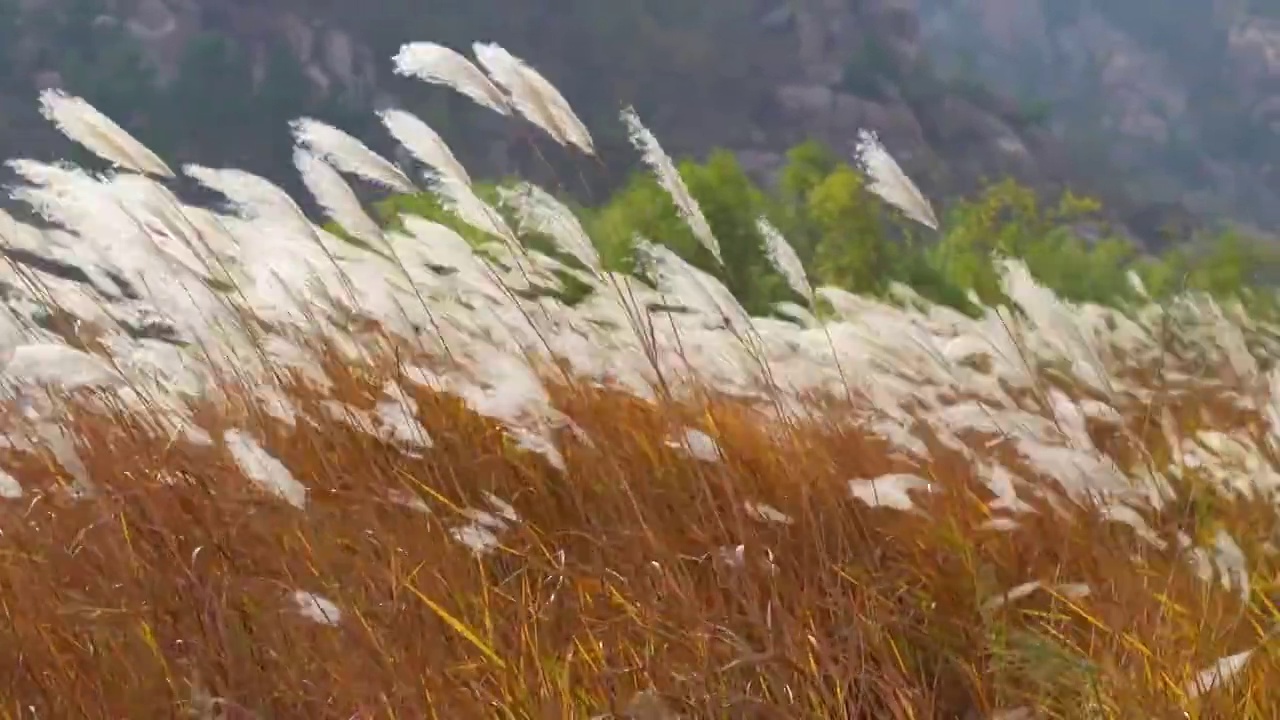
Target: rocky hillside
[
  {"x": 1183, "y": 96},
  {"x": 215, "y": 81}
]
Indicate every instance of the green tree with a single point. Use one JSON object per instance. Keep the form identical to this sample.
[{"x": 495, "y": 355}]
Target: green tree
[
  {"x": 863, "y": 248},
  {"x": 847, "y": 238},
  {"x": 1007, "y": 219},
  {"x": 1165, "y": 275},
  {"x": 1228, "y": 266},
  {"x": 808, "y": 164},
  {"x": 852, "y": 252},
  {"x": 731, "y": 204}
]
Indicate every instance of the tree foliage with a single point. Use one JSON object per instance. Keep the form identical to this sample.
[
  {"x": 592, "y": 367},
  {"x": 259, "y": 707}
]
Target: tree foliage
[{"x": 847, "y": 238}]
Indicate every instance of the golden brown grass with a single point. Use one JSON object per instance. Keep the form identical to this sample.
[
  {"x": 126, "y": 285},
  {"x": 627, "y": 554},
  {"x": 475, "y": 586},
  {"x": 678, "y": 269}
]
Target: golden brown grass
[
  {"x": 168, "y": 594},
  {"x": 636, "y": 583}
]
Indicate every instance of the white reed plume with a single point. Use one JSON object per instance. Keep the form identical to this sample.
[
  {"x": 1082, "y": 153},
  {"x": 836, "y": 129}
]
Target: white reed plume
[
  {"x": 348, "y": 154},
  {"x": 86, "y": 125},
  {"x": 58, "y": 364},
  {"x": 423, "y": 143},
  {"x": 252, "y": 196},
  {"x": 439, "y": 65},
  {"x": 263, "y": 469},
  {"x": 683, "y": 283},
  {"x": 458, "y": 198},
  {"x": 1222, "y": 672},
  {"x": 534, "y": 96},
  {"x": 335, "y": 196},
  {"x": 889, "y": 181},
  {"x": 159, "y": 213},
  {"x": 538, "y": 211},
  {"x": 107, "y": 233},
  {"x": 438, "y": 245},
  {"x": 669, "y": 178},
  {"x": 10, "y": 488},
  {"x": 317, "y": 608},
  {"x": 891, "y": 491},
  {"x": 1136, "y": 284},
  {"x": 68, "y": 196},
  {"x": 784, "y": 259}
]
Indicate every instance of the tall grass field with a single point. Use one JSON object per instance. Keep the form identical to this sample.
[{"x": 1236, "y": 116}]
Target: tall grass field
[{"x": 253, "y": 466}]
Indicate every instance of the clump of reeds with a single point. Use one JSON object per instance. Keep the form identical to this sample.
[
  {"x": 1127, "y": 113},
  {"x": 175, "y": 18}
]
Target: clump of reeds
[{"x": 390, "y": 474}]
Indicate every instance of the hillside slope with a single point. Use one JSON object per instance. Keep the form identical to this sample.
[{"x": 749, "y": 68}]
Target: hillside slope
[
  {"x": 1183, "y": 96},
  {"x": 204, "y": 80}
]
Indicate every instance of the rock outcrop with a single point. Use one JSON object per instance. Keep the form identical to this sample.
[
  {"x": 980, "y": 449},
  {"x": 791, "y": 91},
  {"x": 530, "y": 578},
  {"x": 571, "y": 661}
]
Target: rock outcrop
[
  {"x": 1183, "y": 95},
  {"x": 864, "y": 65},
  {"x": 1053, "y": 92}
]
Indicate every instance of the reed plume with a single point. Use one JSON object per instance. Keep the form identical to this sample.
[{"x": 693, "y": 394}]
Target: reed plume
[
  {"x": 538, "y": 211},
  {"x": 423, "y": 143},
  {"x": 784, "y": 259},
  {"x": 349, "y": 154},
  {"x": 440, "y": 65},
  {"x": 335, "y": 196},
  {"x": 84, "y": 124},
  {"x": 535, "y": 97},
  {"x": 890, "y": 183},
  {"x": 669, "y": 178}
]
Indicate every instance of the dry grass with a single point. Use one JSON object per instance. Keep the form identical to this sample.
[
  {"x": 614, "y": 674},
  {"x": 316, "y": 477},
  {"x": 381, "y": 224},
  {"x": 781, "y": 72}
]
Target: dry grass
[
  {"x": 638, "y": 581},
  {"x": 173, "y": 584}
]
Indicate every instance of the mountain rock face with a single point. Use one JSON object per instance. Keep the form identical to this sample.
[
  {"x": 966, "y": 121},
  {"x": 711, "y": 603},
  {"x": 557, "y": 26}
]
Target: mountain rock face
[
  {"x": 163, "y": 31},
  {"x": 1177, "y": 119},
  {"x": 1183, "y": 96},
  {"x": 864, "y": 65}
]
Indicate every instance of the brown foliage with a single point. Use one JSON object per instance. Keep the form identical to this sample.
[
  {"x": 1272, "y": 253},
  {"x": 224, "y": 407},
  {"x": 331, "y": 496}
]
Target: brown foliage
[{"x": 169, "y": 591}]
